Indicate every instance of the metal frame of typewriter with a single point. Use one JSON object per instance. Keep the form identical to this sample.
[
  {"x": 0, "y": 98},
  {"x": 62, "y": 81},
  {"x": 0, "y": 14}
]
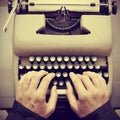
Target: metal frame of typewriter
[{"x": 27, "y": 40}]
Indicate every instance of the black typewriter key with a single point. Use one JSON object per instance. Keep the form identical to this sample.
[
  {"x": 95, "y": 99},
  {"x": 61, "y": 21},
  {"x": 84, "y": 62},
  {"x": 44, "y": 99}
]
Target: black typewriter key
[
  {"x": 38, "y": 59},
  {"x": 31, "y": 59},
  {"x": 80, "y": 59}
]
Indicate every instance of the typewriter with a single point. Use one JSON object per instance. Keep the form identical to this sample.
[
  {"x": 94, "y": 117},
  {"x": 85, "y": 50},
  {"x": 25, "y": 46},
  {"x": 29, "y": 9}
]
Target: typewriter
[{"x": 62, "y": 37}]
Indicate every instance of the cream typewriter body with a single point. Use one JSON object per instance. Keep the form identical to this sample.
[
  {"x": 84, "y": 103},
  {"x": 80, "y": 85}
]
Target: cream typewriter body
[{"x": 61, "y": 37}]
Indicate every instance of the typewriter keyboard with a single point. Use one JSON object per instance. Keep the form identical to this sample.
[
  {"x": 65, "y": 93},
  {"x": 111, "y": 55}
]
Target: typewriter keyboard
[{"x": 63, "y": 65}]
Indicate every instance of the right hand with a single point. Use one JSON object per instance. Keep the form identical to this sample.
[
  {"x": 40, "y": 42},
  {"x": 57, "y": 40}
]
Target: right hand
[
  {"x": 92, "y": 93},
  {"x": 31, "y": 93}
]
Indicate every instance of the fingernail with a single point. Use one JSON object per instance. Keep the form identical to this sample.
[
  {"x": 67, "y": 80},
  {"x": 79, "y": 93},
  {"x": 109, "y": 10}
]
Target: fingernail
[
  {"x": 71, "y": 73},
  {"x": 55, "y": 87},
  {"x": 68, "y": 83}
]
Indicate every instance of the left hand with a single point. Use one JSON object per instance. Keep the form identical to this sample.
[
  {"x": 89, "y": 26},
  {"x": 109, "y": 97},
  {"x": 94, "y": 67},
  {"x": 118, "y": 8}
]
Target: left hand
[{"x": 31, "y": 93}]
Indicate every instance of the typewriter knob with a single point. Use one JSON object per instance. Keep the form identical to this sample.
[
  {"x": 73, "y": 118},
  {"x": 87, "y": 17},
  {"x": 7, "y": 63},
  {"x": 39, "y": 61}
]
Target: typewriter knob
[{"x": 114, "y": 7}]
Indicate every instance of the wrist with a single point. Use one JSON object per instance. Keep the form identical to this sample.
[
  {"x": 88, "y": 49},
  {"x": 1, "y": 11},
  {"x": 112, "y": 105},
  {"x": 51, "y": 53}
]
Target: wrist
[{"x": 25, "y": 112}]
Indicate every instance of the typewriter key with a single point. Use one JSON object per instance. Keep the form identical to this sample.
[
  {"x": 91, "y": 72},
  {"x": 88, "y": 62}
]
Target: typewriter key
[
  {"x": 62, "y": 65},
  {"x": 66, "y": 58},
  {"x": 80, "y": 58},
  {"x": 52, "y": 59},
  {"x": 49, "y": 66},
  {"x": 83, "y": 66},
  {"x": 28, "y": 67},
  {"x": 87, "y": 59},
  {"x": 31, "y": 59},
  {"x": 42, "y": 65},
  {"x": 69, "y": 65},
  {"x": 59, "y": 59},
  {"x": 65, "y": 74},
  {"x": 76, "y": 65},
  {"x": 58, "y": 74},
  {"x": 73, "y": 58},
  {"x": 56, "y": 66},
  {"x": 61, "y": 83},
  {"x": 38, "y": 59},
  {"x": 94, "y": 59},
  {"x": 45, "y": 58},
  {"x": 35, "y": 66}
]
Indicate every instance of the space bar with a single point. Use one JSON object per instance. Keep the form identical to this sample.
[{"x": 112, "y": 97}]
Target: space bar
[{"x": 61, "y": 91}]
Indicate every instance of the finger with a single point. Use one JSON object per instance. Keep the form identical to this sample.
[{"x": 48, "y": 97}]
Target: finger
[
  {"x": 71, "y": 97},
  {"x": 94, "y": 78},
  {"x": 86, "y": 81},
  {"x": 43, "y": 87},
  {"x": 79, "y": 87},
  {"x": 102, "y": 81},
  {"x": 36, "y": 79},
  {"x": 26, "y": 80},
  {"x": 53, "y": 99},
  {"x": 27, "y": 75}
]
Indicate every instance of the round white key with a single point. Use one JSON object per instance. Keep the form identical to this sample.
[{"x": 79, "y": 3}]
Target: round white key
[
  {"x": 61, "y": 83},
  {"x": 58, "y": 74},
  {"x": 45, "y": 58},
  {"x": 52, "y": 58},
  {"x": 31, "y": 58},
  {"x": 38, "y": 59},
  {"x": 80, "y": 58},
  {"x": 73, "y": 58},
  {"x": 66, "y": 58},
  {"x": 59, "y": 59},
  {"x": 65, "y": 74}
]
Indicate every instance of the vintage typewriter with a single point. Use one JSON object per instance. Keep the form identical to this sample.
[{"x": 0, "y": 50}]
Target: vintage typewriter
[{"x": 62, "y": 37}]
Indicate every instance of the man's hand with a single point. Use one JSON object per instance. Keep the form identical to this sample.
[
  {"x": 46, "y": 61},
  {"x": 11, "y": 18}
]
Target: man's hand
[
  {"x": 92, "y": 93},
  {"x": 31, "y": 93}
]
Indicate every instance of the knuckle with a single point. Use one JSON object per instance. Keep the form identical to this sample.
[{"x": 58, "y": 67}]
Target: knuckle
[
  {"x": 104, "y": 95},
  {"x": 39, "y": 98},
  {"x": 83, "y": 98},
  {"x": 27, "y": 95}
]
